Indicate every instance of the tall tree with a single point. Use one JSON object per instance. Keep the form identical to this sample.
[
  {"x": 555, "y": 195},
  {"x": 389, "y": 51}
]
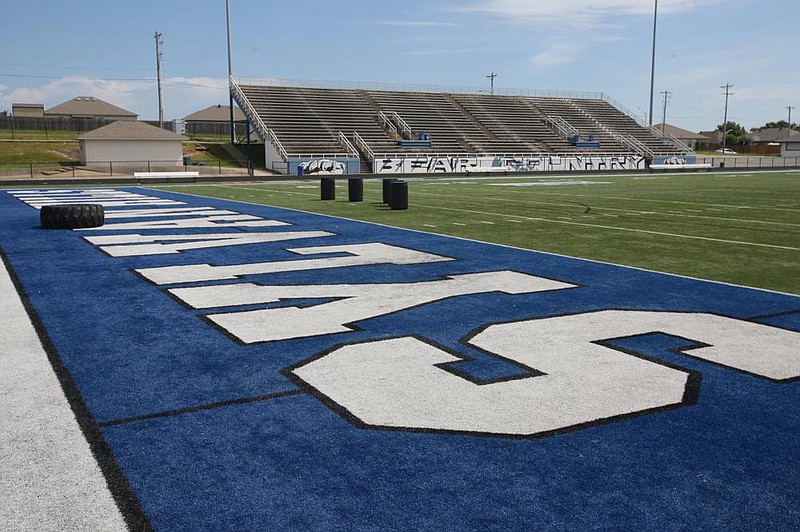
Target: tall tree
[
  {"x": 736, "y": 134},
  {"x": 780, "y": 124}
]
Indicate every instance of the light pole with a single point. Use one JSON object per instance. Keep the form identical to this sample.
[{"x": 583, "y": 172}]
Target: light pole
[
  {"x": 653, "y": 63},
  {"x": 230, "y": 69}
]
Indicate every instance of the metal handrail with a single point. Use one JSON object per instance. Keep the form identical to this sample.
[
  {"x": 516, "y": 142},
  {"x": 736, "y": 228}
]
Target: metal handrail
[
  {"x": 562, "y": 126},
  {"x": 358, "y": 139},
  {"x": 343, "y": 140},
  {"x": 672, "y": 138},
  {"x": 249, "y": 111},
  {"x": 402, "y": 123},
  {"x": 386, "y": 122}
]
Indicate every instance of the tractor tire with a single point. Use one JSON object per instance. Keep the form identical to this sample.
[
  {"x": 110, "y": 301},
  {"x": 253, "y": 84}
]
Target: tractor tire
[{"x": 78, "y": 216}]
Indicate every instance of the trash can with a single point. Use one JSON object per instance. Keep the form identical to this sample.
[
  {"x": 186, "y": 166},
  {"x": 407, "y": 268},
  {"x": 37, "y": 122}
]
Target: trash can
[
  {"x": 300, "y": 171},
  {"x": 327, "y": 188},
  {"x": 187, "y": 161},
  {"x": 386, "y": 189},
  {"x": 398, "y": 195},
  {"x": 355, "y": 189}
]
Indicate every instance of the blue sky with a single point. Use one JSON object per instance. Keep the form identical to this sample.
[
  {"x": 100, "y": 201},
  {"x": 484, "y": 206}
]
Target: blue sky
[{"x": 53, "y": 51}]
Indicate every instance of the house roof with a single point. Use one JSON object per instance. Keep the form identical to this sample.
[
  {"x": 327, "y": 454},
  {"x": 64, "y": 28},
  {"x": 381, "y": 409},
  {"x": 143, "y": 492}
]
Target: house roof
[
  {"x": 713, "y": 136},
  {"x": 130, "y": 130},
  {"x": 216, "y": 113},
  {"x": 27, "y": 105},
  {"x": 680, "y": 133},
  {"x": 88, "y": 106},
  {"x": 773, "y": 134}
]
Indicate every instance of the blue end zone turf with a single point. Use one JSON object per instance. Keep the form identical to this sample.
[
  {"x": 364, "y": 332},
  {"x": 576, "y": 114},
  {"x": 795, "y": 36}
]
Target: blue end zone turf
[{"x": 416, "y": 383}]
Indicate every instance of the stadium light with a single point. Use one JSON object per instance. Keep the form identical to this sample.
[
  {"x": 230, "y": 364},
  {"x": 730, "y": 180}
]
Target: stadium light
[
  {"x": 653, "y": 63},
  {"x": 230, "y": 69}
]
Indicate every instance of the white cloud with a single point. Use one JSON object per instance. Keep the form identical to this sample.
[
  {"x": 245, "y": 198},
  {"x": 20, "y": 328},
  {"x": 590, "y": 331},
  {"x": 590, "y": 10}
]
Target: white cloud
[
  {"x": 557, "y": 54},
  {"x": 581, "y": 10},
  {"x": 416, "y": 23}
]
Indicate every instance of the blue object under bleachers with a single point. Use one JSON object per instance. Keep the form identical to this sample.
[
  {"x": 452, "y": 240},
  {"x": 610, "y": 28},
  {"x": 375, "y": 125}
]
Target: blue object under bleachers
[{"x": 578, "y": 142}]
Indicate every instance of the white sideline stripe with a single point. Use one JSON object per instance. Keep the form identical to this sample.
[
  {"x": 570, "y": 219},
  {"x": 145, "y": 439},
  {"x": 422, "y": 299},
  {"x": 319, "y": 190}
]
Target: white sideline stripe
[
  {"x": 49, "y": 479},
  {"x": 612, "y": 228}
]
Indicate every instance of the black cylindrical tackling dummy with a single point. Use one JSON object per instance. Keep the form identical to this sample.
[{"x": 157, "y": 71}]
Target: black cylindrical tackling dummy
[
  {"x": 386, "y": 182},
  {"x": 327, "y": 188},
  {"x": 398, "y": 195},
  {"x": 355, "y": 189}
]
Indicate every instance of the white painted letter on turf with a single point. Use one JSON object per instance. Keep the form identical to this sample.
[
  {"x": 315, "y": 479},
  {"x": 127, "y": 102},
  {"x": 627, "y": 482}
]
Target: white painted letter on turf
[
  {"x": 357, "y": 255},
  {"x": 355, "y": 302},
  {"x": 397, "y": 383}
]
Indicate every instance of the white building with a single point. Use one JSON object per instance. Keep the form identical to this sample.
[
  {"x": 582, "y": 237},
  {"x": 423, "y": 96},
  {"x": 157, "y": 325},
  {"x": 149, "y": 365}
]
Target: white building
[
  {"x": 133, "y": 145},
  {"x": 790, "y": 144}
]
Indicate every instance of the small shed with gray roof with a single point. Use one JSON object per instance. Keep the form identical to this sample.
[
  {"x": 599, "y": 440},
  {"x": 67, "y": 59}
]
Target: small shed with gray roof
[{"x": 131, "y": 145}]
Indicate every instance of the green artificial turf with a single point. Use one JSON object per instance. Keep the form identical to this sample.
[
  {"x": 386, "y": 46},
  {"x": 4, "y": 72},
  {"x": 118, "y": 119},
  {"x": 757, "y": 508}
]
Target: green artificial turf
[{"x": 741, "y": 228}]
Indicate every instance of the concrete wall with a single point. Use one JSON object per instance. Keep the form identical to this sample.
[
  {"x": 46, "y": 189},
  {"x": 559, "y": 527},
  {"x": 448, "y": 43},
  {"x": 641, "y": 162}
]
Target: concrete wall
[
  {"x": 790, "y": 149},
  {"x": 135, "y": 152}
]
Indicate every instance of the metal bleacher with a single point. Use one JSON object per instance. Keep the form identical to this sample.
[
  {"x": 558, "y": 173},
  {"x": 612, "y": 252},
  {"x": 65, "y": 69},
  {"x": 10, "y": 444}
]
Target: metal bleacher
[{"x": 312, "y": 121}]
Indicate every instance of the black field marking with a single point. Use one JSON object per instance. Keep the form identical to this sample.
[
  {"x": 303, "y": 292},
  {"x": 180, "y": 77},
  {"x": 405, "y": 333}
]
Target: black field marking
[
  {"x": 200, "y": 408},
  {"x": 777, "y": 315},
  {"x": 118, "y": 485}
]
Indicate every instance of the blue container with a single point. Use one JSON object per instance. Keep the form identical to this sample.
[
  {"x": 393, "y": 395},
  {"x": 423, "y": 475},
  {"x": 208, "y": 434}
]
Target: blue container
[{"x": 300, "y": 171}]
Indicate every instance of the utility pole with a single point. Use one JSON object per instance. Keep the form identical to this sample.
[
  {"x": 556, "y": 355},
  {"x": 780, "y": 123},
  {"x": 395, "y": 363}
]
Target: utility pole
[
  {"x": 653, "y": 63},
  {"x": 666, "y": 94},
  {"x": 230, "y": 70},
  {"x": 728, "y": 93},
  {"x": 491, "y": 77},
  {"x": 790, "y": 107},
  {"x": 159, "y": 42}
]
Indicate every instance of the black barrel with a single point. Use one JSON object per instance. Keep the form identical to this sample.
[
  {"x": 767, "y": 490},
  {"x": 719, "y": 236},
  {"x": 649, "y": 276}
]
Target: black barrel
[
  {"x": 386, "y": 188},
  {"x": 398, "y": 195},
  {"x": 327, "y": 187},
  {"x": 355, "y": 189}
]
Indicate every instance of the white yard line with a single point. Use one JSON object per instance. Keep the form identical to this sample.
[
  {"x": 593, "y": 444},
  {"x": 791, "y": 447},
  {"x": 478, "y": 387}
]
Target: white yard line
[
  {"x": 743, "y": 207},
  {"x": 630, "y": 212},
  {"x": 612, "y": 228},
  {"x": 49, "y": 479}
]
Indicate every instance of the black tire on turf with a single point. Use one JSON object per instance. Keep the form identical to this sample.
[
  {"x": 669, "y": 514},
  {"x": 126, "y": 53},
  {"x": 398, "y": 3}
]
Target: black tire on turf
[{"x": 78, "y": 216}]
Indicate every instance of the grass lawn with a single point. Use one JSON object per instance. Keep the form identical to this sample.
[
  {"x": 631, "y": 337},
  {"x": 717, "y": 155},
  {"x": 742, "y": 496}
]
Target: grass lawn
[
  {"x": 55, "y": 152},
  {"x": 741, "y": 228},
  {"x": 24, "y": 152}
]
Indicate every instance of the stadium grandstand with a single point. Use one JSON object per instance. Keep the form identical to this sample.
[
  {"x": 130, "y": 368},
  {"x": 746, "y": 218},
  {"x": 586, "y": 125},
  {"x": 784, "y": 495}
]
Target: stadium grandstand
[{"x": 431, "y": 130}]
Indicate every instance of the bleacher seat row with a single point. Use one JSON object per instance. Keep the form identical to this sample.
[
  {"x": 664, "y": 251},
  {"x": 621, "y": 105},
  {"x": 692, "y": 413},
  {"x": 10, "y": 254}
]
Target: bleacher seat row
[{"x": 307, "y": 121}]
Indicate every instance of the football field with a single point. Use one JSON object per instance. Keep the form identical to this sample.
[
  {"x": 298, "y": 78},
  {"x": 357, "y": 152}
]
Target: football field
[
  {"x": 606, "y": 352},
  {"x": 742, "y": 228}
]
